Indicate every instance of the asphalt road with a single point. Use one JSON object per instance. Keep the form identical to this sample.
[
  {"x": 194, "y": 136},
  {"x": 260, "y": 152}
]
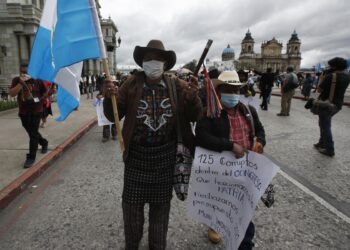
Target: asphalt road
[{"x": 76, "y": 204}]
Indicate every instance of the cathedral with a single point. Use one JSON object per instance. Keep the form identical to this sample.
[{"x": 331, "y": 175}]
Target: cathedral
[
  {"x": 271, "y": 54},
  {"x": 227, "y": 60}
]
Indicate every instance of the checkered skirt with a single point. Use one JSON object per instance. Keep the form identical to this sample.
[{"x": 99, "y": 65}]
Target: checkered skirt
[{"x": 148, "y": 174}]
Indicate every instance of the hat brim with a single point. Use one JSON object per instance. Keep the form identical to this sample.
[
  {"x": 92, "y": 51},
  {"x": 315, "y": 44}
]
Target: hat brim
[
  {"x": 217, "y": 83},
  {"x": 169, "y": 56}
]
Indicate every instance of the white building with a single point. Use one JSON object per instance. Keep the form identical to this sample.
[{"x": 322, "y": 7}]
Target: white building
[{"x": 227, "y": 61}]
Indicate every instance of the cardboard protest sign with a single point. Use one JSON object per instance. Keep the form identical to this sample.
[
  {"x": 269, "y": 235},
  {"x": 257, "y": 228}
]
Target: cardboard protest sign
[
  {"x": 101, "y": 118},
  {"x": 225, "y": 191}
]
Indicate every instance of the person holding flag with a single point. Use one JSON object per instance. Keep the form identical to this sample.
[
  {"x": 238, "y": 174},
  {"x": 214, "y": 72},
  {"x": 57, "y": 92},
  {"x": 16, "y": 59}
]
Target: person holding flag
[
  {"x": 69, "y": 33},
  {"x": 157, "y": 108},
  {"x": 30, "y": 97}
]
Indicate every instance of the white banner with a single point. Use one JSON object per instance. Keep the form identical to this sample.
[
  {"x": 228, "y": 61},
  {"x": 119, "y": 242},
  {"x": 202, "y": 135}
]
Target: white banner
[
  {"x": 225, "y": 191},
  {"x": 101, "y": 118}
]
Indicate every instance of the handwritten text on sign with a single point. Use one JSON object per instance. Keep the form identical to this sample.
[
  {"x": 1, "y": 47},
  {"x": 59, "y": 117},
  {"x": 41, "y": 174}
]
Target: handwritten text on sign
[
  {"x": 225, "y": 191},
  {"x": 101, "y": 118}
]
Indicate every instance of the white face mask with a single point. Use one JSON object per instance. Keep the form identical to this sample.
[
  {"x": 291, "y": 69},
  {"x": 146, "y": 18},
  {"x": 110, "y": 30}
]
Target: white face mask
[{"x": 153, "y": 69}]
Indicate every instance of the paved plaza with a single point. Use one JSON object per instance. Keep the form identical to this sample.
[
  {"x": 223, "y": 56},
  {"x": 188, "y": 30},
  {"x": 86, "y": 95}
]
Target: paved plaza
[{"x": 76, "y": 203}]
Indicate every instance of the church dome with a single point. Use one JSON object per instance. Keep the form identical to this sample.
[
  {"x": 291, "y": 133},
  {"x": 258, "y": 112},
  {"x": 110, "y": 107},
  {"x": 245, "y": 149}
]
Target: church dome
[{"x": 228, "y": 54}]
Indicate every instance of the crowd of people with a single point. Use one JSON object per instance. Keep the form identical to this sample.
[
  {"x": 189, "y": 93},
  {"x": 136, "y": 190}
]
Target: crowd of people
[{"x": 159, "y": 109}]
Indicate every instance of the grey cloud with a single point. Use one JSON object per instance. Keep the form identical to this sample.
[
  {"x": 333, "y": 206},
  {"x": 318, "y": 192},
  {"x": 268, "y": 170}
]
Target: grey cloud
[{"x": 185, "y": 26}]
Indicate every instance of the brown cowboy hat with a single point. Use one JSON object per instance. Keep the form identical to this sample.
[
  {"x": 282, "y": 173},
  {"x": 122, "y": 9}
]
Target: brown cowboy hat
[{"x": 155, "y": 46}]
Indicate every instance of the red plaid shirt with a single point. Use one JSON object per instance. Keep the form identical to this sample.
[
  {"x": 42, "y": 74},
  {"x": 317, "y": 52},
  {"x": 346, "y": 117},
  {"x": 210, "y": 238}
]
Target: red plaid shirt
[{"x": 239, "y": 129}]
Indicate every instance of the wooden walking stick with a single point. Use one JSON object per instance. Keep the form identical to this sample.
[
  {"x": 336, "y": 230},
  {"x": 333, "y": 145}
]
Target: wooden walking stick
[
  {"x": 204, "y": 54},
  {"x": 115, "y": 108}
]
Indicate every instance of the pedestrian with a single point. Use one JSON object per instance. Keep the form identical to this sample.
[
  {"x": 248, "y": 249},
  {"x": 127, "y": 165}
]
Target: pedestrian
[
  {"x": 30, "y": 93},
  {"x": 337, "y": 68},
  {"x": 153, "y": 103},
  {"x": 89, "y": 87},
  {"x": 288, "y": 87},
  {"x": 266, "y": 84},
  {"x": 237, "y": 129},
  {"x": 107, "y": 130},
  {"x": 4, "y": 95},
  {"x": 307, "y": 86}
]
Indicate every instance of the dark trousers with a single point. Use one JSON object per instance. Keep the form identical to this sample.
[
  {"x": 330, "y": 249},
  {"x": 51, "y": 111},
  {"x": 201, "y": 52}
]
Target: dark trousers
[
  {"x": 108, "y": 130},
  {"x": 31, "y": 122},
  {"x": 247, "y": 242},
  {"x": 326, "y": 138},
  {"x": 266, "y": 95},
  {"x": 133, "y": 215}
]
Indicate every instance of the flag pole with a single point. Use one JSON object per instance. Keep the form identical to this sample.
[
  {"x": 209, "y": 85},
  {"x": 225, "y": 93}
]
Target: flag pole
[{"x": 115, "y": 108}]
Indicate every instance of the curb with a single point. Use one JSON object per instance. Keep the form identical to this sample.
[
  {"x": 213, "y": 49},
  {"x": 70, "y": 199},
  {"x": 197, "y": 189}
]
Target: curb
[
  {"x": 11, "y": 191},
  {"x": 302, "y": 98}
]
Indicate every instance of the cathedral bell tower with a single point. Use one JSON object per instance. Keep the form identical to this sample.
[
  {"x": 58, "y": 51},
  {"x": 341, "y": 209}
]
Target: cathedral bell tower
[
  {"x": 247, "y": 44},
  {"x": 293, "y": 51}
]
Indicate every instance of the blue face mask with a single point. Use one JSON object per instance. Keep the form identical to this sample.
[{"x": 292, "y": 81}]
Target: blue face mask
[{"x": 229, "y": 100}]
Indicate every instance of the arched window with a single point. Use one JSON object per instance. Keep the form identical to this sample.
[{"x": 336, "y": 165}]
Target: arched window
[
  {"x": 295, "y": 48},
  {"x": 249, "y": 48}
]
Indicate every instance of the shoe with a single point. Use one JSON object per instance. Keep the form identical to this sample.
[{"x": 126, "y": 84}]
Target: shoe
[
  {"x": 213, "y": 236},
  {"x": 318, "y": 145},
  {"x": 326, "y": 152},
  {"x": 281, "y": 114},
  {"x": 44, "y": 148},
  {"x": 287, "y": 114},
  {"x": 105, "y": 139},
  {"x": 28, "y": 163},
  {"x": 114, "y": 138}
]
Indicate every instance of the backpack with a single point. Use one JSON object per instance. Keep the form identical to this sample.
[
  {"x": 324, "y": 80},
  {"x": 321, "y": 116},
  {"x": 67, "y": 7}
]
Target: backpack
[{"x": 293, "y": 82}]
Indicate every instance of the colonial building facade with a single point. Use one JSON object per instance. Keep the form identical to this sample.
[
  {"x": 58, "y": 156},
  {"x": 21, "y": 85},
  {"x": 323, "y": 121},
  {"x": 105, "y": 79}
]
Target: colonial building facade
[
  {"x": 271, "y": 55},
  {"x": 19, "y": 20}
]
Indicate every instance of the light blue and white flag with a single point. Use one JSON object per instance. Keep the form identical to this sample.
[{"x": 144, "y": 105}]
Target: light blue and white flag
[
  {"x": 318, "y": 68},
  {"x": 69, "y": 33}
]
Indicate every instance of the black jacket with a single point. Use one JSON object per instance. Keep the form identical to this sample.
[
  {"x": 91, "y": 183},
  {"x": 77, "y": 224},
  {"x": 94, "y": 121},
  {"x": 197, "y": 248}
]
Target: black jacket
[
  {"x": 341, "y": 85},
  {"x": 214, "y": 134}
]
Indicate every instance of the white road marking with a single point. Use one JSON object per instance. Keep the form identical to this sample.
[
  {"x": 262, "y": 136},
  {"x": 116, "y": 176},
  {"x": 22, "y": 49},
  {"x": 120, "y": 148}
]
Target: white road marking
[{"x": 316, "y": 197}]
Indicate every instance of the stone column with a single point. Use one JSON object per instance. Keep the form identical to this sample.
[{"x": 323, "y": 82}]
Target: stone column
[{"x": 24, "y": 55}]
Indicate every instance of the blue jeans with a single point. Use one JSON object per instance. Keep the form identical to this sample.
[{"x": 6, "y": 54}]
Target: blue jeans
[{"x": 326, "y": 138}]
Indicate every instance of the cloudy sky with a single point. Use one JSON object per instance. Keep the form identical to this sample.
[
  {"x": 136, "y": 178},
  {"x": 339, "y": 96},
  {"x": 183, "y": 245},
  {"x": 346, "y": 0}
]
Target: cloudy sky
[{"x": 185, "y": 25}]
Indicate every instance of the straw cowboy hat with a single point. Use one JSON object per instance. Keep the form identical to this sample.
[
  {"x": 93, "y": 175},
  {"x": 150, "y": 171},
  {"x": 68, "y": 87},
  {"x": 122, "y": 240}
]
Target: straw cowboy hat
[
  {"x": 155, "y": 46},
  {"x": 228, "y": 78}
]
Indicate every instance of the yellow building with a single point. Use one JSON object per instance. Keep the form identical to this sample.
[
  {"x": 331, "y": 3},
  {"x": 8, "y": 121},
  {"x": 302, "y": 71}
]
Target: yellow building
[{"x": 271, "y": 55}]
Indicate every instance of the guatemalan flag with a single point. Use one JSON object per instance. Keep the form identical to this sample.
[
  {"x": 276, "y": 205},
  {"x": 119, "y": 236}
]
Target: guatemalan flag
[{"x": 69, "y": 33}]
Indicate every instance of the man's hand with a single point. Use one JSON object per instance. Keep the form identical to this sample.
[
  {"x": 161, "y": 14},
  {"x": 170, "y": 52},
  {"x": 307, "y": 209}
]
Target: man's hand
[
  {"x": 99, "y": 96},
  {"x": 109, "y": 89},
  {"x": 238, "y": 150},
  {"x": 191, "y": 90},
  {"x": 258, "y": 148}
]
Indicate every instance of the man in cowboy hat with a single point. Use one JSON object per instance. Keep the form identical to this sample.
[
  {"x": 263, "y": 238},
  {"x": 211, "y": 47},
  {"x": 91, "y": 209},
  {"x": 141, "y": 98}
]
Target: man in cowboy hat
[
  {"x": 150, "y": 101},
  {"x": 238, "y": 129}
]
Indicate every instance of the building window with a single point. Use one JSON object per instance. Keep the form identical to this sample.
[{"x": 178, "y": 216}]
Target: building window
[{"x": 249, "y": 48}]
